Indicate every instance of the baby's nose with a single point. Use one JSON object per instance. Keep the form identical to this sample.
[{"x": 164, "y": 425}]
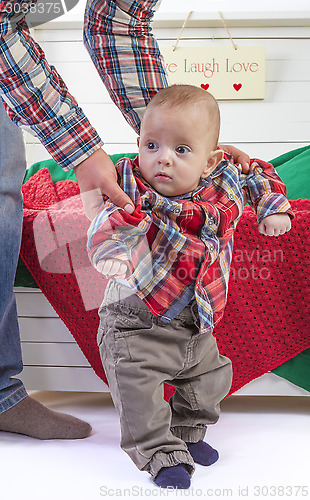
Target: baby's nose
[{"x": 165, "y": 158}]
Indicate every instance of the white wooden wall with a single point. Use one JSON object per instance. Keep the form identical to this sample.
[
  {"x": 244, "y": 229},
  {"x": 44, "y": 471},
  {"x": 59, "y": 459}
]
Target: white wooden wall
[
  {"x": 52, "y": 359},
  {"x": 264, "y": 129}
]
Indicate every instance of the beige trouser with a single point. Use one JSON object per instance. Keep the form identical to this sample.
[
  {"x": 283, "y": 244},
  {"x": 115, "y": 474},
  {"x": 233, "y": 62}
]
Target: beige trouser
[{"x": 139, "y": 353}]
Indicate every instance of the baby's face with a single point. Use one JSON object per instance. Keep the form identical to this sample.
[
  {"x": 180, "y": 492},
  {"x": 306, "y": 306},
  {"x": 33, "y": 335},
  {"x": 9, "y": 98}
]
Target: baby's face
[{"x": 174, "y": 150}]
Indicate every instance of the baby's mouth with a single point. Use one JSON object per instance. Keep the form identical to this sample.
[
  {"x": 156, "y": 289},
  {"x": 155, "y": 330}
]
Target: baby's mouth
[{"x": 162, "y": 176}]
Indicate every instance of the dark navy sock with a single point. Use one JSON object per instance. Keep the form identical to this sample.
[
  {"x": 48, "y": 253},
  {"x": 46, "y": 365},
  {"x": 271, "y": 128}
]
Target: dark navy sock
[
  {"x": 202, "y": 453},
  {"x": 173, "y": 477}
]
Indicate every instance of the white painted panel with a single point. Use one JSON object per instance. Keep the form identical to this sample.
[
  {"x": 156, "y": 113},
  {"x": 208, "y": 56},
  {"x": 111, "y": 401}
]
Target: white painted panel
[
  {"x": 207, "y": 32},
  {"x": 286, "y": 49},
  {"x": 33, "y": 304},
  {"x": 48, "y": 378},
  {"x": 44, "y": 330},
  {"x": 74, "y": 50},
  {"x": 260, "y": 33},
  {"x": 267, "y": 151},
  {"x": 36, "y": 152},
  {"x": 264, "y": 122},
  {"x": 53, "y": 354}
]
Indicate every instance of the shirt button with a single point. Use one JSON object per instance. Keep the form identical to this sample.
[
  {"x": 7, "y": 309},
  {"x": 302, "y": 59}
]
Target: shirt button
[
  {"x": 212, "y": 248},
  {"x": 211, "y": 221},
  {"x": 231, "y": 196},
  {"x": 177, "y": 210}
]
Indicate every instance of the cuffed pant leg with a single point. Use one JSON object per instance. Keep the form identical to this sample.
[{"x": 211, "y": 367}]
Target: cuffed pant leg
[
  {"x": 204, "y": 382},
  {"x": 136, "y": 357}
]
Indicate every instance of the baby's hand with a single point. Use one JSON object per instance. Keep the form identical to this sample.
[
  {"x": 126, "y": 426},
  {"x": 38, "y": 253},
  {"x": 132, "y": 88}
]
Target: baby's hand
[
  {"x": 275, "y": 224},
  {"x": 112, "y": 267}
]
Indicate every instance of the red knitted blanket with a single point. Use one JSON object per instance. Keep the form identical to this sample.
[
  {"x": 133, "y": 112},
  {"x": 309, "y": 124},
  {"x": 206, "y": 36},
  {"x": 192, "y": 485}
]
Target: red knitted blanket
[{"x": 266, "y": 317}]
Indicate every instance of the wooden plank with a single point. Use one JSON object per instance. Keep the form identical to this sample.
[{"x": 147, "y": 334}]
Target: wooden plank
[
  {"x": 53, "y": 354},
  {"x": 34, "y": 329},
  {"x": 50, "y": 378},
  {"x": 35, "y": 152},
  {"x": 212, "y": 33},
  {"x": 207, "y": 32},
  {"x": 268, "y": 150},
  {"x": 33, "y": 304}
]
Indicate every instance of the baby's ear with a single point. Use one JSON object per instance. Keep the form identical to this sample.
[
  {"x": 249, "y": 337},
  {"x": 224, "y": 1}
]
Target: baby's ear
[{"x": 214, "y": 159}]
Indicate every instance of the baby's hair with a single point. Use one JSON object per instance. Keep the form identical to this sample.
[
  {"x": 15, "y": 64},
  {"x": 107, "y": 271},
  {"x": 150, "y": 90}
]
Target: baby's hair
[{"x": 190, "y": 95}]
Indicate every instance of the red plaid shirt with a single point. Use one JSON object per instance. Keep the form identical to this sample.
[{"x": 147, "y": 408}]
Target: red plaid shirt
[{"x": 180, "y": 248}]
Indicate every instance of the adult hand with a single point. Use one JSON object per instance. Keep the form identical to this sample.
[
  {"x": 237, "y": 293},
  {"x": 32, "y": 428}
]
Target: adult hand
[
  {"x": 97, "y": 177},
  {"x": 238, "y": 156}
]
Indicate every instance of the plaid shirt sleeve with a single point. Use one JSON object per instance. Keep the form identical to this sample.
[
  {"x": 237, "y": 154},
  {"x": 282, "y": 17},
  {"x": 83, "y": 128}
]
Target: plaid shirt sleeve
[
  {"x": 37, "y": 99},
  {"x": 115, "y": 234},
  {"x": 266, "y": 193},
  {"x": 118, "y": 36}
]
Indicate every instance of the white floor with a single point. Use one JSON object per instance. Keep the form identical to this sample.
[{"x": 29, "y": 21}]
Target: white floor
[{"x": 263, "y": 444}]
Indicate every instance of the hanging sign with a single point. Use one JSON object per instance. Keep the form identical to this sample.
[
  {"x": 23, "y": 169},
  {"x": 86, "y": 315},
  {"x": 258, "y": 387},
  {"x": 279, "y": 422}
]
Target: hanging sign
[{"x": 225, "y": 72}]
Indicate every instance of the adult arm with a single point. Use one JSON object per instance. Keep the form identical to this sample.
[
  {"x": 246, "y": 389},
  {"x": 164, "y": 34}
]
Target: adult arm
[{"x": 37, "y": 99}]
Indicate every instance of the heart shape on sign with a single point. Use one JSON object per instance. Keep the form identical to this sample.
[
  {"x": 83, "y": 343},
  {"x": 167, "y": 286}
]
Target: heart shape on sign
[
  {"x": 205, "y": 86},
  {"x": 237, "y": 86}
]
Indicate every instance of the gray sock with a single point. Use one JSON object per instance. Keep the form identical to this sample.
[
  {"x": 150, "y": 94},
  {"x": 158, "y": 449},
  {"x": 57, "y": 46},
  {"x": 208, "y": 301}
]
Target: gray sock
[{"x": 31, "y": 418}]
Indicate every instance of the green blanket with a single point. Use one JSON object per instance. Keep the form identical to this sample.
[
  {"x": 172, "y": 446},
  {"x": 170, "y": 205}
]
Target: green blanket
[{"x": 293, "y": 168}]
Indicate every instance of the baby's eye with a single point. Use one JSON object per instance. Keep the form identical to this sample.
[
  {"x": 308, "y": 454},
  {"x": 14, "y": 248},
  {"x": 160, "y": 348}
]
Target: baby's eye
[
  {"x": 182, "y": 149},
  {"x": 151, "y": 146}
]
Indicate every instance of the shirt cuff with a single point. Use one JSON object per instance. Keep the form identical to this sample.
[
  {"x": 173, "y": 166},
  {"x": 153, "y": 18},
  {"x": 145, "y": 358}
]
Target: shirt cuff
[
  {"x": 110, "y": 250},
  {"x": 73, "y": 139},
  {"x": 273, "y": 203}
]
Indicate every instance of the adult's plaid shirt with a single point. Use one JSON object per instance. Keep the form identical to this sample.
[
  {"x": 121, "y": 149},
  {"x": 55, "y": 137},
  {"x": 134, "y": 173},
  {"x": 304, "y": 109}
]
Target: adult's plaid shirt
[
  {"x": 180, "y": 248},
  {"x": 118, "y": 36}
]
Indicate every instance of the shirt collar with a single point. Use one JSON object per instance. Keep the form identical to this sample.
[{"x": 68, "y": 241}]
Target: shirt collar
[{"x": 219, "y": 168}]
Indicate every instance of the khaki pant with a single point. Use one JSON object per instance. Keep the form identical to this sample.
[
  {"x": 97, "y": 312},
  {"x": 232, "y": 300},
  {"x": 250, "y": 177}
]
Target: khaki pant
[{"x": 139, "y": 353}]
